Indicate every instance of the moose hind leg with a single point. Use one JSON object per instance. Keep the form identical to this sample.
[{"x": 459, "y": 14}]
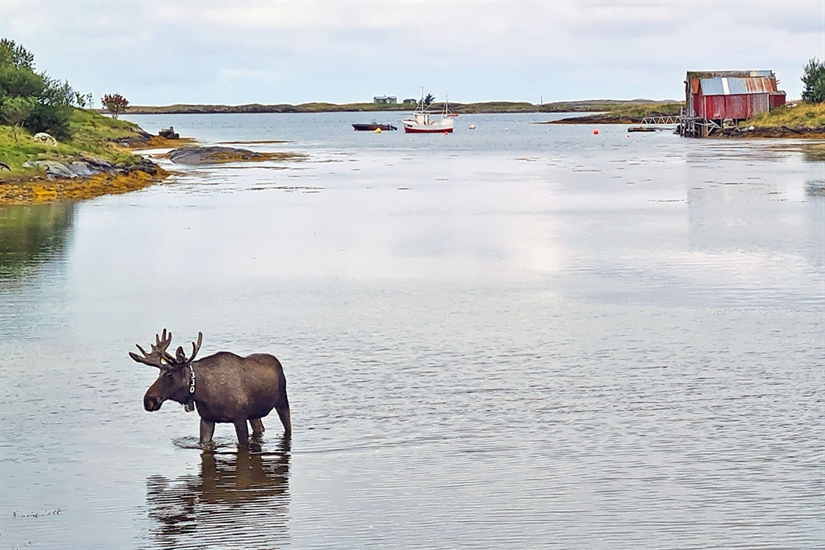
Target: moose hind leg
[
  {"x": 257, "y": 427},
  {"x": 286, "y": 419}
]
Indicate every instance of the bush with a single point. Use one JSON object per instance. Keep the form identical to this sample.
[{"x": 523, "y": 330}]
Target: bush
[{"x": 114, "y": 103}]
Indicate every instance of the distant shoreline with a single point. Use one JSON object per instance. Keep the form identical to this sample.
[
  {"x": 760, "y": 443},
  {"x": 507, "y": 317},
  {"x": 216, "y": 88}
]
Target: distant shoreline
[{"x": 492, "y": 107}]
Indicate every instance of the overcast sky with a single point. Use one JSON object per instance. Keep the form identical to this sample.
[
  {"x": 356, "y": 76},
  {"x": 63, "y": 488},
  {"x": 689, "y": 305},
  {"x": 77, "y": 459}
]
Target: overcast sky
[{"x": 236, "y": 52}]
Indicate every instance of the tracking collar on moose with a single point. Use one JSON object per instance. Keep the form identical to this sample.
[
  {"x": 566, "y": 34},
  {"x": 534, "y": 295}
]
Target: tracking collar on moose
[{"x": 224, "y": 387}]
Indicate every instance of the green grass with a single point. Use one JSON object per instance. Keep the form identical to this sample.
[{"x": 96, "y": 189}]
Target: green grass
[
  {"x": 93, "y": 135},
  {"x": 802, "y": 115},
  {"x": 647, "y": 109}
]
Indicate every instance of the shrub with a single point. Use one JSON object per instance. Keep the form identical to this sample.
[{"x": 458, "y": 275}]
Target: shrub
[{"x": 115, "y": 103}]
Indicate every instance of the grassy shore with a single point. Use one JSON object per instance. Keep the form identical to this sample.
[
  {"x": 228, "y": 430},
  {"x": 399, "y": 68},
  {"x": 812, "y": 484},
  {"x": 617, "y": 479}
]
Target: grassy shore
[
  {"x": 626, "y": 113},
  {"x": 93, "y": 137},
  {"x": 801, "y": 115}
]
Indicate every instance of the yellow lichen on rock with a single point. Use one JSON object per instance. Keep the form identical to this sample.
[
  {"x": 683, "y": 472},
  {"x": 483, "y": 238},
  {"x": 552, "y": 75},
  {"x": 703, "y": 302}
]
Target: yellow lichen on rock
[
  {"x": 159, "y": 142},
  {"x": 40, "y": 191}
]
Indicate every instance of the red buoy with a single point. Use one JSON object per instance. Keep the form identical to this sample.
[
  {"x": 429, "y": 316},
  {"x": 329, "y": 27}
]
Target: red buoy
[{"x": 595, "y": 132}]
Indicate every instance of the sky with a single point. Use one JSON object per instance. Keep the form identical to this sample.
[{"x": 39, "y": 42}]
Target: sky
[{"x": 267, "y": 51}]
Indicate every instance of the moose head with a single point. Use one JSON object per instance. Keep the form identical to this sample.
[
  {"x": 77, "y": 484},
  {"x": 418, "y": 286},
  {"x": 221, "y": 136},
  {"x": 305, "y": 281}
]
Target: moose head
[{"x": 176, "y": 380}]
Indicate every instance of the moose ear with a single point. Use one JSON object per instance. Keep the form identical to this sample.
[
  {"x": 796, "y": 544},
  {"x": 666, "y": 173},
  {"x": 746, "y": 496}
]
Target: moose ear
[{"x": 180, "y": 355}]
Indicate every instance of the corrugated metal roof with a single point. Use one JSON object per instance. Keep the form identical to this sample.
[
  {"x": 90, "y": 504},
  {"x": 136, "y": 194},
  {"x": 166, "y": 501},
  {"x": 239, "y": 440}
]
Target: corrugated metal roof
[
  {"x": 737, "y": 86},
  {"x": 737, "y": 74}
]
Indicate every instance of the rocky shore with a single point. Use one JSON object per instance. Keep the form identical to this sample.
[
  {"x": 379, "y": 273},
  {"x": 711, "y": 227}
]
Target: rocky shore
[
  {"x": 90, "y": 178},
  {"x": 815, "y": 132},
  {"x": 806, "y": 132},
  {"x": 601, "y": 118},
  {"x": 80, "y": 180},
  {"x": 87, "y": 177}
]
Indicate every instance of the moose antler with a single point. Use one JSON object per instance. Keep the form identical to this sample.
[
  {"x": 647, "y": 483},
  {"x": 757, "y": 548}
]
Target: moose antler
[
  {"x": 158, "y": 357},
  {"x": 181, "y": 357}
]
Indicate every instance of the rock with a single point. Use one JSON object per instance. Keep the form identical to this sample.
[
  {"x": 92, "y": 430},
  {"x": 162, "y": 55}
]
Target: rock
[
  {"x": 213, "y": 154},
  {"x": 53, "y": 168},
  {"x": 80, "y": 169},
  {"x": 4, "y": 167},
  {"x": 169, "y": 133},
  {"x": 145, "y": 165},
  {"x": 136, "y": 141},
  {"x": 99, "y": 165},
  {"x": 87, "y": 168},
  {"x": 43, "y": 137}
]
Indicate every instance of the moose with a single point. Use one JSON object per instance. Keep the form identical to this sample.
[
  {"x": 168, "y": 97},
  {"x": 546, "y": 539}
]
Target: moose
[{"x": 224, "y": 387}]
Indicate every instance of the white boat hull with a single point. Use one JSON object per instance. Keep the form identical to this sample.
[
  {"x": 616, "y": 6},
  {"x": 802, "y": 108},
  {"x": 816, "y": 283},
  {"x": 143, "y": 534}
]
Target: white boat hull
[{"x": 444, "y": 126}]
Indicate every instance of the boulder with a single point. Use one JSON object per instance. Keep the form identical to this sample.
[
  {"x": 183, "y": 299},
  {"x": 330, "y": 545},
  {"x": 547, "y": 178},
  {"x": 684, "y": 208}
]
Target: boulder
[
  {"x": 139, "y": 140},
  {"x": 53, "y": 168},
  {"x": 87, "y": 168},
  {"x": 169, "y": 133},
  {"x": 212, "y": 154},
  {"x": 43, "y": 137}
]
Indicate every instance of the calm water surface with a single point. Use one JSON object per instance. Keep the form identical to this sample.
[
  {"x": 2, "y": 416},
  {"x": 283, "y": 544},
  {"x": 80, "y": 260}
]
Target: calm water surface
[{"x": 521, "y": 336}]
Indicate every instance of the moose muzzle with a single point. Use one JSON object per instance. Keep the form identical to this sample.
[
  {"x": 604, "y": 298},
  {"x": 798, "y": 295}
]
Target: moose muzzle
[{"x": 151, "y": 402}]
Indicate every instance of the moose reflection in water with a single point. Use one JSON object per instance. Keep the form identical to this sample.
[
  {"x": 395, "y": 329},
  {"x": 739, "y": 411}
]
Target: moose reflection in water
[
  {"x": 224, "y": 387},
  {"x": 238, "y": 500}
]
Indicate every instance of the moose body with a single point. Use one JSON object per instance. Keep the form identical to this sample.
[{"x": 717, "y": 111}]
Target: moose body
[{"x": 224, "y": 387}]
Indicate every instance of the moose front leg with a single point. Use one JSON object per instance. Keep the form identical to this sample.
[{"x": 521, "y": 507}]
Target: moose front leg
[
  {"x": 207, "y": 429},
  {"x": 242, "y": 431}
]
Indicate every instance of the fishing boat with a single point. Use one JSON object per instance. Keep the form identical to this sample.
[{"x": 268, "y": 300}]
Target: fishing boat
[
  {"x": 424, "y": 121},
  {"x": 373, "y": 126}
]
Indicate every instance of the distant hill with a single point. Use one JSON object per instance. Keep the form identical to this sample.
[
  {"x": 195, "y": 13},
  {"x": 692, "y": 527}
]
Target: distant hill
[{"x": 588, "y": 105}]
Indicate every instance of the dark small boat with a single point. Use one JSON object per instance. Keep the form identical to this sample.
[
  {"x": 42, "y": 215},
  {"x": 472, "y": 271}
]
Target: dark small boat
[{"x": 373, "y": 127}]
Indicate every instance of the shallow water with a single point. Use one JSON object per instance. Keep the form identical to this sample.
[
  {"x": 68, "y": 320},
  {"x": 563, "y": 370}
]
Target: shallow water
[{"x": 518, "y": 336}]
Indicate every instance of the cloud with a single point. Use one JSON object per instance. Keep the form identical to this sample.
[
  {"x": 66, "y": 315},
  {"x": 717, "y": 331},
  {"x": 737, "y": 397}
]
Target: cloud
[{"x": 234, "y": 52}]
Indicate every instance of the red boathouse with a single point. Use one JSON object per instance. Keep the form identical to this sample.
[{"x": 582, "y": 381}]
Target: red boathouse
[{"x": 716, "y": 101}]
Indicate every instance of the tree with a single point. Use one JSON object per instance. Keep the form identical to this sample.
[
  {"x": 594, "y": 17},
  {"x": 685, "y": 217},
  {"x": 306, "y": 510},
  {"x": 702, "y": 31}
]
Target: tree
[
  {"x": 814, "y": 81},
  {"x": 51, "y": 99},
  {"x": 16, "y": 56},
  {"x": 114, "y": 103},
  {"x": 84, "y": 101},
  {"x": 53, "y": 109},
  {"x": 15, "y": 110},
  {"x": 428, "y": 100}
]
